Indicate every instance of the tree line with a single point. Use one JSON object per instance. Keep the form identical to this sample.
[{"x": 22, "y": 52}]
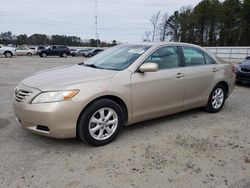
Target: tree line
[
  {"x": 210, "y": 23},
  {"x": 42, "y": 39}
]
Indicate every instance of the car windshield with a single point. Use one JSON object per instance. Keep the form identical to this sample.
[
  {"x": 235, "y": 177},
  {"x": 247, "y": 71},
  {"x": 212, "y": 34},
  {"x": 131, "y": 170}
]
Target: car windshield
[{"x": 118, "y": 57}]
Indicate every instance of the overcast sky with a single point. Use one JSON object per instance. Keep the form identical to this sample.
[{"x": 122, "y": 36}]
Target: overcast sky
[{"x": 123, "y": 20}]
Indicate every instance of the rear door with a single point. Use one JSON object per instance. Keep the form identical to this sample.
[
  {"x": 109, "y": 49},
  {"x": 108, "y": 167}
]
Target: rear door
[
  {"x": 200, "y": 74},
  {"x": 158, "y": 93}
]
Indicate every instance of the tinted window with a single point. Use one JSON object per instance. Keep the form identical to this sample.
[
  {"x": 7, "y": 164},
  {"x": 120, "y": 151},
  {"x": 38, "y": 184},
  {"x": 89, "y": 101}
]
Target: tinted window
[
  {"x": 165, "y": 57},
  {"x": 21, "y": 48},
  {"x": 193, "y": 56},
  {"x": 209, "y": 60}
]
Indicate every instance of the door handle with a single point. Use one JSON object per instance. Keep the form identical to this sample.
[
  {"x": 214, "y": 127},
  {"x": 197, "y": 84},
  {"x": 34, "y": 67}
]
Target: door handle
[
  {"x": 215, "y": 69},
  {"x": 180, "y": 75}
]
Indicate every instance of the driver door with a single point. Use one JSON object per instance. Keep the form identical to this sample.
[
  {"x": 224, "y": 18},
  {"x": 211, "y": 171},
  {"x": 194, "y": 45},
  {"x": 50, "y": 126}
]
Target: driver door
[
  {"x": 52, "y": 50},
  {"x": 161, "y": 92}
]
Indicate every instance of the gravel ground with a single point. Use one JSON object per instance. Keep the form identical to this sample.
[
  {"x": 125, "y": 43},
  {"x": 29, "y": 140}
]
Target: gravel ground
[{"x": 189, "y": 149}]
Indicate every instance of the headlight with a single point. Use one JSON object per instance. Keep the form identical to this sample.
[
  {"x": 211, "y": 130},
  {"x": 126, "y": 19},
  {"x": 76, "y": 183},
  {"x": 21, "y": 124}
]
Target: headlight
[{"x": 54, "y": 96}]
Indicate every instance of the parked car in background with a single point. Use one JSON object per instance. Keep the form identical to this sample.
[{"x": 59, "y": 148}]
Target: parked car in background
[
  {"x": 55, "y": 50},
  {"x": 243, "y": 71},
  {"x": 37, "y": 49},
  {"x": 83, "y": 52},
  {"x": 123, "y": 85},
  {"x": 40, "y": 48},
  {"x": 93, "y": 52},
  {"x": 73, "y": 52},
  {"x": 22, "y": 51},
  {"x": 8, "y": 52}
]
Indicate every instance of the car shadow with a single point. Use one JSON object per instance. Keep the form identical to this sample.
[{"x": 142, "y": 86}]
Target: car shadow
[
  {"x": 127, "y": 130},
  {"x": 160, "y": 120},
  {"x": 240, "y": 84},
  {"x": 3, "y": 57}
]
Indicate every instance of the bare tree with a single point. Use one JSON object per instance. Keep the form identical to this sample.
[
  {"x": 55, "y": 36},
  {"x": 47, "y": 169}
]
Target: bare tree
[
  {"x": 163, "y": 27},
  {"x": 146, "y": 36},
  {"x": 154, "y": 21}
]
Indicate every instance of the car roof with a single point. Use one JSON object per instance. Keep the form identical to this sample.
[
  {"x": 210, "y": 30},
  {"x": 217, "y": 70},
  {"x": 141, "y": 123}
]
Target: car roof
[{"x": 155, "y": 44}]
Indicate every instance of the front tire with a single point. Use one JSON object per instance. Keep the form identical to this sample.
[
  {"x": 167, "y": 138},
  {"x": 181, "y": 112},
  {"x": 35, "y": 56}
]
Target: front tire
[
  {"x": 29, "y": 54},
  {"x": 100, "y": 123},
  {"x": 216, "y": 99},
  {"x": 8, "y": 54}
]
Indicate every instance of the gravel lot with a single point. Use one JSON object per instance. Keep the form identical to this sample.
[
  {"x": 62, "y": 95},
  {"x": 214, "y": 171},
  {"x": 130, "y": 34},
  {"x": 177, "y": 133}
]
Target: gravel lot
[{"x": 190, "y": 149}]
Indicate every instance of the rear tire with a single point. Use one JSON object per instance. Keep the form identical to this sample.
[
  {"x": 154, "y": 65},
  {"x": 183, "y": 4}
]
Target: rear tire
[
  {"x": 29, "y": 54},
  {"x": 216, "y": 99},
  {"x": 8, "y": 54},
  {"x": 64, "y": 55},
  {"x": 100, "y": 123},
  {"x": 43, "y": 55}
]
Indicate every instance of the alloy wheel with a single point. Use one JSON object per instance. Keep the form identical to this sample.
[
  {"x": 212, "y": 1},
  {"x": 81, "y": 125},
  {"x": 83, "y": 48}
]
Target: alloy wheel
[
  {"x": 103, "y": 123},
  {"x": 8, "y": 54},
  {"x": 217, "y": 98}
]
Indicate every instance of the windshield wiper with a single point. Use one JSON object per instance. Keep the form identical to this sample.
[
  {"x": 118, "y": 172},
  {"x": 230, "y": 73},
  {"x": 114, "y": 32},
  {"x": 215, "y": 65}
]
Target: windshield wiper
[
  {"x": 93, "y": 66},
  {"x": 82, "y": 63},
  {"x": 90, "y": 65}
]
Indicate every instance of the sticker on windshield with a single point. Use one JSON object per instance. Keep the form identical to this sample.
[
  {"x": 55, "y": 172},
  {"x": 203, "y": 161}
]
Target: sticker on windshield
[{"x": 137, "y": 51}]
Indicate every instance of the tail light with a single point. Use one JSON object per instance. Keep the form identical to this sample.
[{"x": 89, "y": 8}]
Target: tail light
[{"x": 234, "y": 69}]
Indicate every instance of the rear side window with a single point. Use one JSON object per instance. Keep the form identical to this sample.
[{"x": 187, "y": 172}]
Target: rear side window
[
  {"x": 209, "y": 60},
  {"x": 193, "y": 57}
]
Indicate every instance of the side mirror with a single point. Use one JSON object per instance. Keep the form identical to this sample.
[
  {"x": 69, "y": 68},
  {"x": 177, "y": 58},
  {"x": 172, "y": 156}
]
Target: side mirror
[{"x": 149, "y": 67}]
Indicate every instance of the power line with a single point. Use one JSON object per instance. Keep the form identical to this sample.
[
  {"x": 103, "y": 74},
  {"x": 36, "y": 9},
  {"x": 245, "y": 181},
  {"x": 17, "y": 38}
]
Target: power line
[{"x": 96, "y": 24}]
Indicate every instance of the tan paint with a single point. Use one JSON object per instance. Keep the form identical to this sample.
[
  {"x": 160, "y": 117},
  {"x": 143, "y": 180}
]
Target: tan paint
[{"x": 146, "y": 95}]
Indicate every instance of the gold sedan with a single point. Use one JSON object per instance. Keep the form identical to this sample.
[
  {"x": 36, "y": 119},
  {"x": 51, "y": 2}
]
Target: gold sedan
[{"x": 123, "y": 85}]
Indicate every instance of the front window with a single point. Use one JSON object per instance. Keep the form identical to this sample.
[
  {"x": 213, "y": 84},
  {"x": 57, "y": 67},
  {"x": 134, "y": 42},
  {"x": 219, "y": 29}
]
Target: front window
[
  {"x": 118, "y": 57},
  {"x": 166, "y": 57}
]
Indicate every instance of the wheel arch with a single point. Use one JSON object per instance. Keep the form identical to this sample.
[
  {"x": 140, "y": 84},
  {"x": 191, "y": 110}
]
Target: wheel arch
[
  {"x": 8, "y": 51},
  {"x": 225, "y": 84},
  {"x": 114, "y": 98}
]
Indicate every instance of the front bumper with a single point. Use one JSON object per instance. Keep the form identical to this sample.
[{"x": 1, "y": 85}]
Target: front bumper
[
  {"x": 59, "y": 117},
  {"x": 243, "y": 77}
]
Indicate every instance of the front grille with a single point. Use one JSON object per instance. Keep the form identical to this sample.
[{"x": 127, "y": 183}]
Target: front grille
[
  {"x": 21, "y": 95},
  {"x": 245, "y": 69}
]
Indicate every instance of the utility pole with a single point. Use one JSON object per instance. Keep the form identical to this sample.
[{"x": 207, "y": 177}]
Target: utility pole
[{"x": 96, "y": 24}]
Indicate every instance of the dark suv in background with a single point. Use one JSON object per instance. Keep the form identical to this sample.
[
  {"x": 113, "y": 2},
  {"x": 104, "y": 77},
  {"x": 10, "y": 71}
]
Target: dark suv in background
[{"x": 55, "y": 50}]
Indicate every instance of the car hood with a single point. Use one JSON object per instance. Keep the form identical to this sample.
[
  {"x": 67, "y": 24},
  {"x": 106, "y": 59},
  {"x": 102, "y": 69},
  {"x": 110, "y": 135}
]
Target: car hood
[
  {"x": 9, "y": 48},
  {"x": 66, "y": 77},
  {"x": 245, "y": 64}
]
